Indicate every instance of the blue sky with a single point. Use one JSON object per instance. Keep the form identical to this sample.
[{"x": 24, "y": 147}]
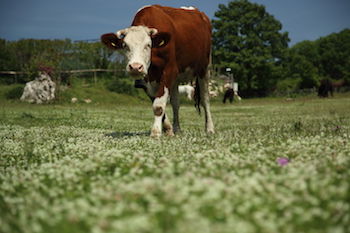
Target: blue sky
[{"x": 88, "y": 19}]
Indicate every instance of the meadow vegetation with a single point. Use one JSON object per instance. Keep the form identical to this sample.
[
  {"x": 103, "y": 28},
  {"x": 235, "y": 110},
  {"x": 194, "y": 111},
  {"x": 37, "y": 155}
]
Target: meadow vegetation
[{"x": 272, "y": 166}]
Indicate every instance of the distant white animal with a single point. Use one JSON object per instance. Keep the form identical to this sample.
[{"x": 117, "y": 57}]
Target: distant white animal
[{"x": 187, "y": 90}]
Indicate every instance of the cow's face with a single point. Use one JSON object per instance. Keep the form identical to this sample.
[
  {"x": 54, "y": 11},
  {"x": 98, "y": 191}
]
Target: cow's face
[{"x": 137, "y": 43}]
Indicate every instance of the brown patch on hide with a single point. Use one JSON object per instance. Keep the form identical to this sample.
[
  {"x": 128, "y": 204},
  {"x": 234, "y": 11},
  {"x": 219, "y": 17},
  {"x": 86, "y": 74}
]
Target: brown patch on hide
[{"x": 158, "y": 111}]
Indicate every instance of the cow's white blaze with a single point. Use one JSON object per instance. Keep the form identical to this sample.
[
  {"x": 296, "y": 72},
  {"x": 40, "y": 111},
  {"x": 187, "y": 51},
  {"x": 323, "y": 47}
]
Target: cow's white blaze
[{"x": 137, "y": 44}]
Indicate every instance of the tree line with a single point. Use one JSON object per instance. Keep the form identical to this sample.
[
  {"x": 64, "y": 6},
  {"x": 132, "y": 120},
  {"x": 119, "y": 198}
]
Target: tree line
[
  {"x": 246, "y": 39},
  {"x": 32, "y": 55}
]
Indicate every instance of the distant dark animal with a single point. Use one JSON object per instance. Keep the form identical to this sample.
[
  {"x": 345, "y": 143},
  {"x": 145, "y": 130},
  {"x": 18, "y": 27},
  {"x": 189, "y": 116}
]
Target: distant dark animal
[
  {"x": 325, "y": 87},
  {"x": 165, "y": 47},
  {"x": 228, "y": 95}
]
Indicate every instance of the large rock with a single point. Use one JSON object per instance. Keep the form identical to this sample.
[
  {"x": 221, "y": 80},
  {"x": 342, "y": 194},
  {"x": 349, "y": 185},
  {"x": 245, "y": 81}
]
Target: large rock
[{"x": 40, "y": 90}]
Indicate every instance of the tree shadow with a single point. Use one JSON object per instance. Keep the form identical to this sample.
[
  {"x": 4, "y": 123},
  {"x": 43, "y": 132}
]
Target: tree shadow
[{"x": 122, "y": 134}]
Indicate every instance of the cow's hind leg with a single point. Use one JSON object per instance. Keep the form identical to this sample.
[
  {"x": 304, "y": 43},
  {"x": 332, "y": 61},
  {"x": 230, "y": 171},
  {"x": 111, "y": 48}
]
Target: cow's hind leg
[
  {"x": 168, "y": 128},
  {"x": 175, "y": 103},
  {"x": 204, "y": 99}
]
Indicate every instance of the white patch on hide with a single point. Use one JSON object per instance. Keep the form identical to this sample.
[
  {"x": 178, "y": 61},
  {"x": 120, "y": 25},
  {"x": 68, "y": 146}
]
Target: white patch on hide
[
  {"x": 189, "y": 8},
  {"x": 146, "y": 6}
]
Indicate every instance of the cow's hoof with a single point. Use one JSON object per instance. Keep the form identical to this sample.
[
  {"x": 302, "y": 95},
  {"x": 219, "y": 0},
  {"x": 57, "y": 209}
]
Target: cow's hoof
[
  {"x": 210, "y": 131},
  {"x": 156, "y": 133},
  {"x": 169, "y": 133}
]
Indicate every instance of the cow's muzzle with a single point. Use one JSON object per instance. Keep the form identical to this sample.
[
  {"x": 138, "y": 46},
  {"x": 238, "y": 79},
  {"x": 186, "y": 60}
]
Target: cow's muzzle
[{"x": 136, "y": 69}]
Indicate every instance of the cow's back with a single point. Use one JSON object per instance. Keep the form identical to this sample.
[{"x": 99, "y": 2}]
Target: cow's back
[{"x": 190, "y": 32}]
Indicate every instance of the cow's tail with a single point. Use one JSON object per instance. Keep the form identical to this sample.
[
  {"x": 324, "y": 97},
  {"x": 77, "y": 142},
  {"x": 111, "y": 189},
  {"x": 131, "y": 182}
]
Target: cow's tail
[{"x": 197, "y": 97}]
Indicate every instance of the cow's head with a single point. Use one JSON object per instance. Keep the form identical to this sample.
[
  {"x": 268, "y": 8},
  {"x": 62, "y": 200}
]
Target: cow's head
[{"x": 137, "y": 43}]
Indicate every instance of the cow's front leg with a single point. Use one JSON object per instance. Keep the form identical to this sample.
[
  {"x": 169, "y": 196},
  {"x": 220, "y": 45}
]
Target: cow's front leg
[
  {"x": 159, "y": 105},
  {"x": 204, "y": 97}
]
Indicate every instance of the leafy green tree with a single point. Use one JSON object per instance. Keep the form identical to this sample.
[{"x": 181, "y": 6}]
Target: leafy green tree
[
  {"x": 304, "y": 71},
  {"x": 32, "y": 55},
  {"x": 308, "y": 62},
  {"x": 334, "y": 52},
  {"x": 6, "y": 56},
  {"x": 95, "y": 55},
  {"x": 46, "y": 53},
  {"x": 308, "y": 49},
  {"x": 247, "y": 39},
  {"x": 301, "y": 65}
]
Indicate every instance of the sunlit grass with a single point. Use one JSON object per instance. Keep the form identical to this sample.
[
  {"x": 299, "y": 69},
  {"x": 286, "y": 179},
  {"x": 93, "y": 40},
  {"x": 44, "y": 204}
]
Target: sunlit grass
[{"x": 90, "y": 168}]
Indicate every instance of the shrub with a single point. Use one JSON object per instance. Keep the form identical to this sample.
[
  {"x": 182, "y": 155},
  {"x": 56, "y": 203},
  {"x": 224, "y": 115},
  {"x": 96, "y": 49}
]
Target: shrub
[
  {"x": 14, "y": 92},
  {"x": 289, "y": 84},
  {"x": 122, "y": 86}
]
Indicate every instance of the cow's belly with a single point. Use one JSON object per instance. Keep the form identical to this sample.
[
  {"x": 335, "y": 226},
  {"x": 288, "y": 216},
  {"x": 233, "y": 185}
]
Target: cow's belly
[{"x": 185, "y": 76}]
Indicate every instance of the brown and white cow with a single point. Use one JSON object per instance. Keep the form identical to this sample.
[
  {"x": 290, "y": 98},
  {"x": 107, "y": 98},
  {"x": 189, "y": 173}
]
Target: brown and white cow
[{"x": 165, "y": 47}]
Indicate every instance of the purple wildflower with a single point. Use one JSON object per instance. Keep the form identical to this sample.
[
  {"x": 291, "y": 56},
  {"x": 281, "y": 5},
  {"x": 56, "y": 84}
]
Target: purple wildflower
[
  {"x": 336, "y": 129},
  {"x": 283, "y": 161}
]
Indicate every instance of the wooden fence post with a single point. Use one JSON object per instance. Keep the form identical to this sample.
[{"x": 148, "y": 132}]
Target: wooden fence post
[{"x": 71, "y": 79}]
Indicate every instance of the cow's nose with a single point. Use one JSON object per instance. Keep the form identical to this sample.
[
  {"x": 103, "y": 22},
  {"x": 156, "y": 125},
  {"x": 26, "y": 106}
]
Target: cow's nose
[{"x": 136, "y": 68}]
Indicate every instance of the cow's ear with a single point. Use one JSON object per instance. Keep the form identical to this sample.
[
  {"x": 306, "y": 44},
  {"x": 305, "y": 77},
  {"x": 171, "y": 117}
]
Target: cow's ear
[
  {"x": 111, "y": 41},
  {"x": 160, "y": 40}
]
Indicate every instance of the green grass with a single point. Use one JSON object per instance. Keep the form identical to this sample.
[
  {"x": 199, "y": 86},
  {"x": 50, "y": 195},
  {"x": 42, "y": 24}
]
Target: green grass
[
  {"x": 96, "y": 92},
  {"x": 94, "y": 168}
]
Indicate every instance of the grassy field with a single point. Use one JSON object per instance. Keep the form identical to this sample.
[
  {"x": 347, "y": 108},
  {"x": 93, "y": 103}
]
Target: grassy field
[{"x": 272, "y": 166}]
